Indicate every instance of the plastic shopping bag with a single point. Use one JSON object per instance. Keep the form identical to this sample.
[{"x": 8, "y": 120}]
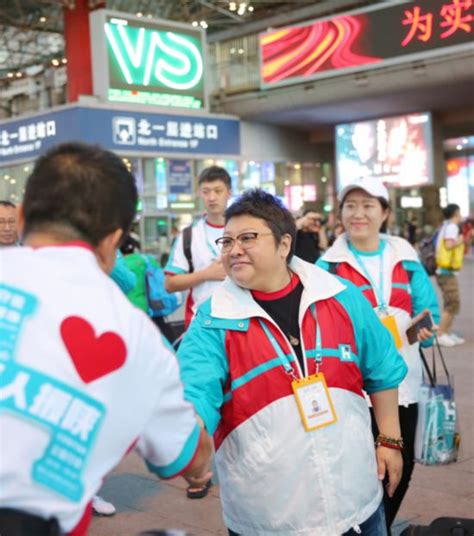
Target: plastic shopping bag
[{"x": 437, "y": 439}]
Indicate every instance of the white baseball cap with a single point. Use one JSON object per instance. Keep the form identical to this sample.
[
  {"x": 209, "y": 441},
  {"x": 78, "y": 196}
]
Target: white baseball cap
[{"x": 372, "y": 185}]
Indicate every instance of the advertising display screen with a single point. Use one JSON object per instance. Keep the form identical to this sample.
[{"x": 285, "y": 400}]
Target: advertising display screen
[
  {"x": 398, "y": 150},
  {"x": 147, "y": 61},
  {"x": 365, "y": 38}
]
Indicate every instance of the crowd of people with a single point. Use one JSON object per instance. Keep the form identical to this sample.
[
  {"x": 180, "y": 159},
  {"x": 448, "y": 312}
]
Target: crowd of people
[{"x": 295, "y": 372}]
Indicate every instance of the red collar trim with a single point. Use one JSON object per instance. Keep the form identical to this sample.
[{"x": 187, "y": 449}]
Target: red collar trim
[
  {"x": 268, "y": 296},
  {"x": 214, "y": 225},
  {"x": 72, "y": 243}
]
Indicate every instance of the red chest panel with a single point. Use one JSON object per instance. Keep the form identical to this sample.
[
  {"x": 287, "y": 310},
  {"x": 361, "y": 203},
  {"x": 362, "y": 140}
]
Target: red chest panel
[
  {"x": 257, "y": 378},
  {"x": 399, "y": 297}
]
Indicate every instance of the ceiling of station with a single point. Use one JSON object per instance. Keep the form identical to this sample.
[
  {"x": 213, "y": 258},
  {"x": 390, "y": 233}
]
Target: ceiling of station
[{"x": 31, "y": 31}]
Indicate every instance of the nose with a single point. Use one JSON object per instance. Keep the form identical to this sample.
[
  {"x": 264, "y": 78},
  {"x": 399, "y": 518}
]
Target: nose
[{"x": 236, "y": 249}]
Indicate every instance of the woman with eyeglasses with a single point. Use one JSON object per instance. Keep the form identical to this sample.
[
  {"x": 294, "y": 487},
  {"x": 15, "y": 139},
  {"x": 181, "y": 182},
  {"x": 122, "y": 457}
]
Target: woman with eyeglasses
[
  {"x": 275, "y": 363},
  {"x": 388, "y": 272}
]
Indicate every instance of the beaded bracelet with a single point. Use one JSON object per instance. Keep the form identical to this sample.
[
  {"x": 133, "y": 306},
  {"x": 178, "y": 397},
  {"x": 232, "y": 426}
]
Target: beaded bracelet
[{"x": 389, "y": 442}]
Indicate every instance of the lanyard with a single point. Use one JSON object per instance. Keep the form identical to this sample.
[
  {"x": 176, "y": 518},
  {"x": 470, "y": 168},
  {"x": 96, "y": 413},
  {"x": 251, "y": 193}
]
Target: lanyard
[
  {"x": 212, "y": 249},
  {"x": 282, "y": 356},
  {"x": 379, "y": 290}
]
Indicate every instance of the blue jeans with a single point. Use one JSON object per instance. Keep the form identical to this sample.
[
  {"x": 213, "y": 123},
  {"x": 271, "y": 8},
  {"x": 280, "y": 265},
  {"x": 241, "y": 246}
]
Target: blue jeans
[{"x": 373, "y": 526}]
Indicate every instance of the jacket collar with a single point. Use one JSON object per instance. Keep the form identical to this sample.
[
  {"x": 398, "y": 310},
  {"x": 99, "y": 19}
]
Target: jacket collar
[
  {"x": 400, "y": 250},
  {"x": 234, "y": 302}
]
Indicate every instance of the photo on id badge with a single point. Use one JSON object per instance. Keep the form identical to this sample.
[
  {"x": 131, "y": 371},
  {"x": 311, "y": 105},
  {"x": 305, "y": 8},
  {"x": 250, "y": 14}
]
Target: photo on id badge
[{"x": 315, "y": 404}]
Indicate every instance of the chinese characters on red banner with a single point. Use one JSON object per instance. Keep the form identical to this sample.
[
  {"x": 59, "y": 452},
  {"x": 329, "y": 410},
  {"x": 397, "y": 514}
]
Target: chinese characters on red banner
[{"x": 452, "y": 17}]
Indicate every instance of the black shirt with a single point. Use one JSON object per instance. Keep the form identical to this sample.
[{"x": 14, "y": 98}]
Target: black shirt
[
  {"x": 307, "y": 246},
  {"x": 283, "y": 306}
]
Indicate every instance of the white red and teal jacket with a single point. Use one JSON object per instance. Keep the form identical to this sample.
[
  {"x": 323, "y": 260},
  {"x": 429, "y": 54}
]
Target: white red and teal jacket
[
  {"x": 276, "y": 478},
  {"x": 410, "y": 293}
]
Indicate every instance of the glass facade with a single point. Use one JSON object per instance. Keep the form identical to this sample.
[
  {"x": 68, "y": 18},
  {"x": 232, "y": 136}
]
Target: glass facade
[{"x": 168, "y": 190}]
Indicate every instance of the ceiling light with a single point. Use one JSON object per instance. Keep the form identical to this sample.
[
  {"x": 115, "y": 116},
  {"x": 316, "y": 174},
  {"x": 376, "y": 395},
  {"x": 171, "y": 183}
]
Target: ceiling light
[
  {"x": 195, "y": 23},
  {"x": 297, "y": 166},
  {"x": 139, "y": 14},
  {"x": 6, "y": 177},
  {"x": 19, "y": 75},
  {"x": 459, "y": 147},
  {"x": 55, "y": 62},
  {"x": 26, "y": 168},
  {"x": 232, "y": 50},
  {"x": 11, "y": 75},
  {"x": 13, "y": 181},
  {"x": 42, "y": 19},
  {"x": 149, "y": 16},
  {"x": 242, "y": 8},
  {"x": 203, "y": 24},
  {"x": 241, "y": 51},
  {"x": 465, "y": 140},
  {"x": 324, "y": 179},
  {"x": 64, "y": 60},
  {"x": 250, "y": 8},
  {"x": 232, "y": 6}
]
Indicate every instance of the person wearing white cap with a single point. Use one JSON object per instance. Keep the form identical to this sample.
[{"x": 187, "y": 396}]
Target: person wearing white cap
[{"x": 388, "y": 272}]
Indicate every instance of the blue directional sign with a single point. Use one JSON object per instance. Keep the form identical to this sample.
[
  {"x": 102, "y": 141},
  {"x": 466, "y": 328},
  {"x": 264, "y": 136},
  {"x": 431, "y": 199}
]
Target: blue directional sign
[{"x": 121, "y": 131}]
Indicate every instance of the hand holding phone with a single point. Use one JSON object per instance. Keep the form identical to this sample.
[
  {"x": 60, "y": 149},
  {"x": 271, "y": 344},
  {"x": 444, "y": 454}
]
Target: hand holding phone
[{"x": 421, "y": 328}]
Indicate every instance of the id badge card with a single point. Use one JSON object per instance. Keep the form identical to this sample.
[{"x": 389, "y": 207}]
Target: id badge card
[
  {"x": 314, "y": 402},
  {"x": 390, "y": 323}
]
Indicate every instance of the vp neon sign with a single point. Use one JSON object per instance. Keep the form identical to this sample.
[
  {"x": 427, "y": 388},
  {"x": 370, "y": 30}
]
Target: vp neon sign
[
  {"x": 147, "y": 61},
  {"x": 174, "y": 60}
]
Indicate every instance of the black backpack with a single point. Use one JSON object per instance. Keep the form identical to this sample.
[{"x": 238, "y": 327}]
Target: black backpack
[
  {"x": 187, "y": 237},
  {"x": 428, "y": 253}
]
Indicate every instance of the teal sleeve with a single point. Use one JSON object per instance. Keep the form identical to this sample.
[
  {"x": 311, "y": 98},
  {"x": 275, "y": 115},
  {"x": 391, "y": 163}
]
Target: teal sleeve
[
  {"x": 123, "y": 276},
  {"x": 422, "y": 293},
  {"x": 382, "y": 367},
  {"x": 204, "y": 370}
]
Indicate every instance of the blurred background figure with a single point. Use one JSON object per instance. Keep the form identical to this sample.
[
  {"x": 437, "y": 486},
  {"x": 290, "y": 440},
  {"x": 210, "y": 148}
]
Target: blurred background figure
[
  {"x": 138, "y": 263},
  {"x": 450, "y": 249},
  {"x": 411, "y": 230},
  {"x": 311, "y": 238},
  {"x": 8, "y": 231}
]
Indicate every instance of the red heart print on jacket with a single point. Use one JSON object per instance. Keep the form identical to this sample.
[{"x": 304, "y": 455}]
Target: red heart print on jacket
[{"x": 93, "y": 357}]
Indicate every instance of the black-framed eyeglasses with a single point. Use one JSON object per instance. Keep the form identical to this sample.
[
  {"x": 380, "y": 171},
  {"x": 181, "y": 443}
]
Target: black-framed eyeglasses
[{"x": 244, "y": 240}]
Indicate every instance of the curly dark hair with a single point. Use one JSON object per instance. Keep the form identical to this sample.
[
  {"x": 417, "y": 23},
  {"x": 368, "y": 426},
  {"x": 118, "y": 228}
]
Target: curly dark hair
[{"x": 265, "y": 206}]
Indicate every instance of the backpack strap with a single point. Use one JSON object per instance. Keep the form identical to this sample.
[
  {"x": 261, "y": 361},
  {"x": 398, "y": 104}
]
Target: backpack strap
[{"x": 187, "y": 236}]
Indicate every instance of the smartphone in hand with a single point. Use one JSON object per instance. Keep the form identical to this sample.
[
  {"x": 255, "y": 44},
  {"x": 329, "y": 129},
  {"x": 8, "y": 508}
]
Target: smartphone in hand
[{"x": 423, "y": 320}]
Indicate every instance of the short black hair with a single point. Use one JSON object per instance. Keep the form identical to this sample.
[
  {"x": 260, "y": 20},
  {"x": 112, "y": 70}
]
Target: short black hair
[
  {"x": 130, "y": 245},
  {"x": 215, "y": 173},
  {"x": 5, "y": 203},
  {"x": 265, "y": 206},
  {"x": 81, "y": 188},
  {"x": 450, "y": 210}
]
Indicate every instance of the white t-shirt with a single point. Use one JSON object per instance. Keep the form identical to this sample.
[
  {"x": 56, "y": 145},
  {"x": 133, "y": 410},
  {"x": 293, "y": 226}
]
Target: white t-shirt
[
  {"x": 203, "y": 252},
  {"x": 449, "y": 231},
  {"x": 84, "y": 376}
]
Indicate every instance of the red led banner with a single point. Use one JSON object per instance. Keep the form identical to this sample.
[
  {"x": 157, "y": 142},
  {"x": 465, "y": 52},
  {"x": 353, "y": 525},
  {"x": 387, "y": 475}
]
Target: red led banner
[{"x": 300, "y": 53}]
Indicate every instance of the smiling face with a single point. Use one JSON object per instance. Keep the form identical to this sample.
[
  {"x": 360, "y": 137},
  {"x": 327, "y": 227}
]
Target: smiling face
[
  {"x": 362, "y": 215},
  {"x": 215, "y": 195},
  {"x": 260, "y": 266}
]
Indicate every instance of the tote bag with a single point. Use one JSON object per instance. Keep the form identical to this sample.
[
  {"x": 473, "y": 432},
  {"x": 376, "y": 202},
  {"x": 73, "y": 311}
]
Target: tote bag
[{"x": 437, "y": 439}]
